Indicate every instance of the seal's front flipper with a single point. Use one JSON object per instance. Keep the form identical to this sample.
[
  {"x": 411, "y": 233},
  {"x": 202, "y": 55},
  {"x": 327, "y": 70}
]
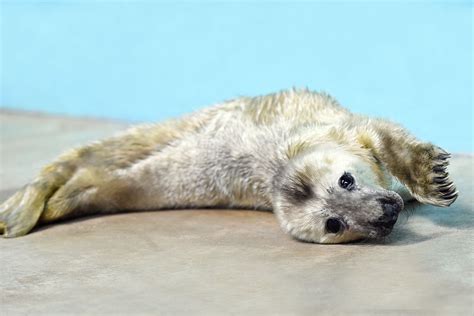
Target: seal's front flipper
[
  {"x": 434, "y": 186},
  {"x": 419, "y": 166}
]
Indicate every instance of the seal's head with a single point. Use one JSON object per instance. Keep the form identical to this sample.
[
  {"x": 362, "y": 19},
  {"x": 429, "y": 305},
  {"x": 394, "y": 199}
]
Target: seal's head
[{"x": 334, "y": 194}]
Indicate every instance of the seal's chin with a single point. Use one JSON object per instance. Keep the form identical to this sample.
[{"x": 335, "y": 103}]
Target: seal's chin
[
  {"x": 382, "y": 232},
  {"x": 378, "y": 233},
  {"x": 371, "y": 232}
]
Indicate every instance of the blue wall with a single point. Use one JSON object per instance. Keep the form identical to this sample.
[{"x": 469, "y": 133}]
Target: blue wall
[{"x": 147, "y": 60}]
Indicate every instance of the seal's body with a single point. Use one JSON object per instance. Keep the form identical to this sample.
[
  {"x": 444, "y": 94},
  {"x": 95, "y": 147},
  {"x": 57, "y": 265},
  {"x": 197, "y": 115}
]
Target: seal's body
[{"x": 329, "y": 175}]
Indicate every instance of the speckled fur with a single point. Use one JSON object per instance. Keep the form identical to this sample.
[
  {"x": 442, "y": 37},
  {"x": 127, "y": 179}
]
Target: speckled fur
[{"x": 283, "y": 152}]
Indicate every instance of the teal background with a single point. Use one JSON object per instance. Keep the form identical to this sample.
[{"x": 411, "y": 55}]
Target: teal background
[{"x": 150, "y": 60}]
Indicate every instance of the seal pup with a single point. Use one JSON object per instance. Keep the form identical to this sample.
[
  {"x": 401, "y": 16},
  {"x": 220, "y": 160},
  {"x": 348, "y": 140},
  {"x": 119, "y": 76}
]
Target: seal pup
[{"x": 329, "y": 175}]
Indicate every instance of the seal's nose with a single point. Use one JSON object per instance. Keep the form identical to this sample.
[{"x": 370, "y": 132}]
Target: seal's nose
[{"x": 390, "y": 208}]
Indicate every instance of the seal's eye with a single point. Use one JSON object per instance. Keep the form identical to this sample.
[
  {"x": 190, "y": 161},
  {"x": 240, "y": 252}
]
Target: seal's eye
[
  {"x": 346, "y": 181},
  {"x": 333, "y": 226}
]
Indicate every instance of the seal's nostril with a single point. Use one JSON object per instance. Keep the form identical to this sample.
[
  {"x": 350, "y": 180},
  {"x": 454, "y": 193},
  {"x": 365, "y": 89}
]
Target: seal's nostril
[
  {"x": 333, "y": 225},
  {"x": 390, "y": 207},
  {"x": 389, "y": 210}
]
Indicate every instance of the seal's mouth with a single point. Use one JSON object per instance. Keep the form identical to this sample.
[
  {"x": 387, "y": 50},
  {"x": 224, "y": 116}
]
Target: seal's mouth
[
  {"x": 390, "y": 206},
  {"x": 384, "y": 230}
]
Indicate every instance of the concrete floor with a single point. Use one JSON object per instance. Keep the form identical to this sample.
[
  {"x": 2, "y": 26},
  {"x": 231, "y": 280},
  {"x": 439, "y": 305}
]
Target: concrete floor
[{"x": 221, "y": 262}]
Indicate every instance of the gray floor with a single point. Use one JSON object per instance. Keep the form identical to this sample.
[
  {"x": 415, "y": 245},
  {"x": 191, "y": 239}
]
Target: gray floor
[{"x": 221, "y": 262}]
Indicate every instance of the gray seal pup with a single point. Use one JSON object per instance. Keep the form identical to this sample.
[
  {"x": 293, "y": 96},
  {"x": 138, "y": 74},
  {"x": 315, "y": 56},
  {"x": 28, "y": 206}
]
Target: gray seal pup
[{"x": 329, "y": 175}]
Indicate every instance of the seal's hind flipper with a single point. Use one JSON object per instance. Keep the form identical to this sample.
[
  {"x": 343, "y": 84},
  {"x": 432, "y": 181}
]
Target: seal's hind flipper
[{"x": 21, "y": 212}]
